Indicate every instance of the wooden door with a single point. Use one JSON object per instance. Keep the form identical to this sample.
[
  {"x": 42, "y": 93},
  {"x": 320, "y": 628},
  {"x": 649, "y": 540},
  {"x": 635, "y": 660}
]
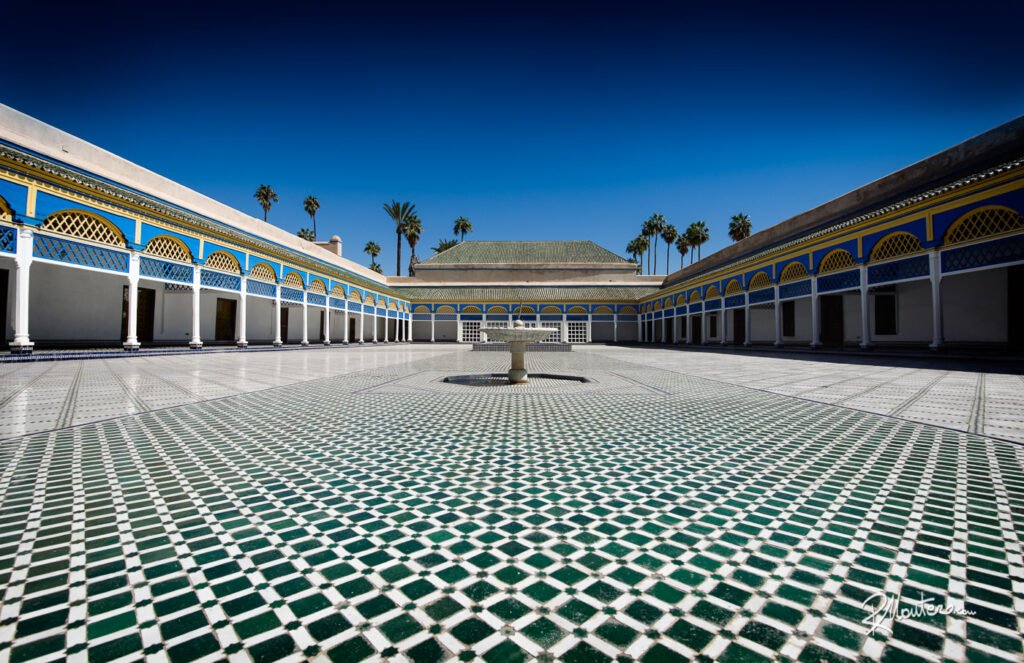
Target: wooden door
[
  {"x": 739, "y": 326},
  {"x": 225, "y": 326},
  {"x": 146, "y": 315},
  {"x": 831, "y": 320}
]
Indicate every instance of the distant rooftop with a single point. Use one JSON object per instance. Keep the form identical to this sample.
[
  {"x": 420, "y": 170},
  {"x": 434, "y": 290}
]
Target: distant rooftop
[
  {"x": 595, "y": 293},
  {"x": 525, "y": 253}
]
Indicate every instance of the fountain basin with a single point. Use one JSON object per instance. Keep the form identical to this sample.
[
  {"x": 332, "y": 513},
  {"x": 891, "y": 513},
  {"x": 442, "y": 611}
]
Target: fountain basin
[{"x": 517, "y": 337}]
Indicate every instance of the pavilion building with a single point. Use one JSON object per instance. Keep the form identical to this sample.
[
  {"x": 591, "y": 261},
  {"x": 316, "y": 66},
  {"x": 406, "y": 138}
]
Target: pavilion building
[{"x": 97, "y": 251}]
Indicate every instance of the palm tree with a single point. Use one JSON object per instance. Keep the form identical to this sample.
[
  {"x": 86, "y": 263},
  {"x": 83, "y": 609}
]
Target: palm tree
[
  {"x": 643, "y": 244},
  {"x": 413, "y": 230},
  {"x": 399, "y": 213},
  {"x": 445, "y": 244},
  {"x": 697, "y": 234},
  {"x": 682, "y": 245},
  {"x": 633, "y": 250},
  {"x": 307, "y": 234},
  {"x": 372, "y": 249},
  {"x": 311, "y": 205},
  {"x": 463, "y": 226},
  {"x": 669, "y": 234},
  {"x": 266, "y": 197},
  {"x": 657, "y": 222},
  {"x": 739, "y": 227}
]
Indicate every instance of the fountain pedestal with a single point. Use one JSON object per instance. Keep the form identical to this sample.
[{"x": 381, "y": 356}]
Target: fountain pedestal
[{"x": 517, "y": 337}]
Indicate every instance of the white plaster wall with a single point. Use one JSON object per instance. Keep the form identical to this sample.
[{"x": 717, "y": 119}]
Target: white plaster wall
[
  {"x": 974, "y": 307},
  {"x": 762, "y": 324},
  {"x": 851, "y": 318},
  {"x": 803, "y": 322},
  {"x": 260, "y": 323},
  {"x": 627, "y": 331},
  {"x": 75, "y": 305},
  {"x": 445, "y": 330},
  {"x": 421, "y": 330},
  {"x": 913, "y": 315}
]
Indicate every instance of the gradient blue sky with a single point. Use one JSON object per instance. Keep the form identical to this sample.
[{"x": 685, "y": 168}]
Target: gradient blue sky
[{"x": 536, "y": 120}]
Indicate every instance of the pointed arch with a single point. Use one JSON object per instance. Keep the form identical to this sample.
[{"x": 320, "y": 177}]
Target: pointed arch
[
  {"x": 895, "y": 245},
  {"x": 223, "y": 261},
  {"x": 836, "y": 261},
  {"x": 166, "y": 246},
  {"x": 261, "y": 271},
  {"x": 84, "y": 225},
  {"x": 983, "y": 222},
  {"x": 794, "y": 271}
]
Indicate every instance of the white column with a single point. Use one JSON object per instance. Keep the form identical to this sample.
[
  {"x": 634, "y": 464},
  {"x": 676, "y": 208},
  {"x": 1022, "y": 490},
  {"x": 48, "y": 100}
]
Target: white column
[
  {"x": 704, "y": 340},
  {"x": 387, "y": 334},
  {"x": 131, "y": 341},
  {"x": 243, "y": 313},
  {"x": 327, "y": 321},
  {"x": 590, "y": 325},
  {"x": 565, "y": 329},
  {"x": 22, "y": 344},
  {"x": 196, "y": 343},
  {"x": 305, "y": 317},
  {"x": 815, "y": 316},
  {"x": 639, "y": 328},
  {"x": 865, "y": 309},
  {"x": 663, "y": 326},
  {"x": 373, "y": 317},
  {"x": 344, "y": 318},
  {"x": 615, "y": 327},
  {"x": 778, "y": 318},
  {"x": 277, "y": 315},
  {"x": 458, "y": 327},
  {"x": 432, "y": 318},
  {"x": 362, "y": 319},
  {"x": 935, "y": 268},
  {"x": 746, "y": 321},
  {"x": 725, "y": 323}
]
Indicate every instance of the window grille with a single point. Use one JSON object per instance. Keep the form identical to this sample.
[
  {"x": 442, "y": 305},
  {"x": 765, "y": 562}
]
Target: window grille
[
  {"x": 84, "y": 225},
  {"x": 168, "y": 247},
  {"x": 222, "y": 261},
  {"x": 895, "y": 245},
  {"x": 983, "y": 222}
]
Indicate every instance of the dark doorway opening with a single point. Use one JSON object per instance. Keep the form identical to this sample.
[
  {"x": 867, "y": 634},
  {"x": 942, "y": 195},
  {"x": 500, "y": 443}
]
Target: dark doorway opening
[
  {"x": 739, "y": 326},
  {"x": 695, "y": 321},
  {"x": 145, "y": 311},
  {"x": 1014, "y": 307},
  {"x": 323, "y": 337},
  {"x": 224, "y": 329},
  {"x": 352, "y": 331},
  {"x": 284, "y": 324},
  {"x": 4, "y": 284},
  {"x": 831, "y": 320}
]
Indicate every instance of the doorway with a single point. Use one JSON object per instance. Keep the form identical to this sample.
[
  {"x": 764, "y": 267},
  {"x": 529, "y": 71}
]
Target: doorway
[
  {"x": 352, "y": 330},
  {"x": 224, "y": 329},
  {"x": 695, "y": 325},
  {"x": 323, "y": 337},
  {"x": 284, "y": 324},
  {"x": 4, "y": 282},
  {"x": 1014, "y": 310},
  {"x": 831, "y": 320},
  {"x": 739, "y": 326},
  {"x": 145, "y": 314}
]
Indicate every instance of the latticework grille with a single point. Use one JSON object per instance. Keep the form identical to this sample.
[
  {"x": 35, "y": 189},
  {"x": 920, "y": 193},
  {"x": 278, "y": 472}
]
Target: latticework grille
[
  {"x": 694, "y": 296},
  {"x": 261, "y": 271},
  {"x": 318, "y": 287},
  {"x": 161, "y": 269},
  {"x": 8, "y": 240},
  {"x": 76, "y": 253},
  {"x": 836, "y": 261},
  {"x": 338, "y": 291},
  {"x": 733, "y": 287},
  {"x": 759, "y": 281},
  {"x": 895, "y": 245},
  {"x": 983, "y": 222},
  {"x": 292, "y": 280},
  {"x": 261, "y": 288},
  {"x": 220, "y": 280},
  {"x": 291, "y": 294},
  {"x": 712, "y": 292},
  {"x": 85, "y": 226},
  {"x": 222, "y": 261},
  {"x": 353, "y": 296},
  {"x": 368, "y": 299},
  {"x": 794, "y": 271},
  {"x": 169, "y": 247}
]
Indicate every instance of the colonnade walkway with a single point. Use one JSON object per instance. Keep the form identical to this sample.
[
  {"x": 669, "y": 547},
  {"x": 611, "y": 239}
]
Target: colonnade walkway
[{"x": 349, "y": 505}]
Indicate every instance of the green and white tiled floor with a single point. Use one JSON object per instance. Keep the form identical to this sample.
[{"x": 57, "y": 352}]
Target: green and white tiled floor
[{"x": 371, "y": 511}]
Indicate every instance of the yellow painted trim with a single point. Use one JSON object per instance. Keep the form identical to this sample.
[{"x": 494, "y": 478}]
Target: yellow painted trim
[{"x": 30, "y": 202}]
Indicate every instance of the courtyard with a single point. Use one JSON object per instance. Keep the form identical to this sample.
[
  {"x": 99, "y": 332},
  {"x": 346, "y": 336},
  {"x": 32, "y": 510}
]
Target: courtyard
[{"x": 346, "y": 504}]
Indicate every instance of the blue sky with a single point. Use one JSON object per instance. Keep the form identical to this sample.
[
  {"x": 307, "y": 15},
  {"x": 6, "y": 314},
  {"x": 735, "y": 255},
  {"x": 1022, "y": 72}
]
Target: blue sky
[{"x": 535, "y": 120}]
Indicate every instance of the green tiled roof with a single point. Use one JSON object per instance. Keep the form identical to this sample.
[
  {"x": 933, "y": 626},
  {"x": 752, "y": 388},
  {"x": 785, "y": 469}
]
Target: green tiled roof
[
  {"x": 525, "y": 253},
  {"x": 526, "y": 293}
]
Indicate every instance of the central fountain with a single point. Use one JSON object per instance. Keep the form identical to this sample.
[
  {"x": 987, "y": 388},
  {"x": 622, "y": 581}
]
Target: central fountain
[{"x": 517, "y": 337}]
